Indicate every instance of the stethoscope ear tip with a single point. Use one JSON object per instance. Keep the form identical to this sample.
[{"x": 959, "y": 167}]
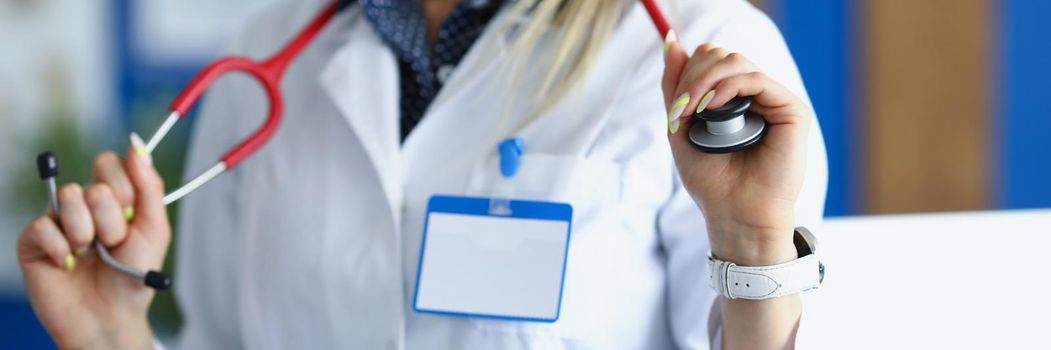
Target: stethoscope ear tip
[
  {"x": 46, "y": 165},
  {"x": 157, "y": 280}
]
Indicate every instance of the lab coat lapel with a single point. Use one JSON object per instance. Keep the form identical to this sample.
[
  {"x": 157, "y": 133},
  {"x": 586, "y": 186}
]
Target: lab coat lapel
[{"x": 361, "y": 78}]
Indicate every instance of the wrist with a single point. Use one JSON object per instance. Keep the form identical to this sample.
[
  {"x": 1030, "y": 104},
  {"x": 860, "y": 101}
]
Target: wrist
[
  {"x": 135, "y": 334},
  {"x": 141, "y": 337},
  {"x": 747, "y": 245}
]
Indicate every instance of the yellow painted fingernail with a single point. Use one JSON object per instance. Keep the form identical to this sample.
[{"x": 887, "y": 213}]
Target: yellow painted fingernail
[
  {"x": 705, "y": 100},
  {"x": 129, "y": 213},
  {"x": 677, "y": 108},
  {"x": 71, "y": 262},
  {"x": 670, "y": 40},
  {"x": 137, "y": 144},
  {"x": 81, "y": 250},
  {"x": 140, "y": 148}
]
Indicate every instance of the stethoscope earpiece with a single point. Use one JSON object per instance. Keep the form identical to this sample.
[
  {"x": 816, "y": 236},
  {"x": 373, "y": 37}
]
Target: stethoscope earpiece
[
  {"x": 729, "y": 128},
  {"x": 157, "y": 280}
]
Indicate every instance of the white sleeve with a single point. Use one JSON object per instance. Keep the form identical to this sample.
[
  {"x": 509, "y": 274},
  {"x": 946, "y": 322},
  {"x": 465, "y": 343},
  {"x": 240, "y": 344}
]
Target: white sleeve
[
  {"x": 695, "y": 317},
  {"x": 205, "y": 280}
]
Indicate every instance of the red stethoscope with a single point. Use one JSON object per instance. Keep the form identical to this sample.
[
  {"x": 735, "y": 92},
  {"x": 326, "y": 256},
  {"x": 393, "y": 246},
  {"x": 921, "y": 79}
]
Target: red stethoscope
[{"x": 269, "y": 74}]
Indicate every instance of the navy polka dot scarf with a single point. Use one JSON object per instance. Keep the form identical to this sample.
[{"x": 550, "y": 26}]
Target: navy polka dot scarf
[{"x": 423, "y": 70}]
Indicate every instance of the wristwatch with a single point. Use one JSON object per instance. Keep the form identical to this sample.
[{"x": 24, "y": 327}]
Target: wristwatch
[{"x": 766, "y": 282}]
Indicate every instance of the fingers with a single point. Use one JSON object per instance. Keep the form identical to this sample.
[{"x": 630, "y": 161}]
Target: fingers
[
  {"x": 109, "y": 170},
  {"x": 689, "y": 80},
  {"x": 42, "y": 236},
  {"x": 705, "y": 70},
  {"x": 703, "y": 58},
  {"x": 712, "y": 76},
  {"x": 107, "y": 214},
  {"x": 99, "y": 211},
  {"x": 149, "y": 202},
  {"x": 76, "y": 217},
  {"x": 766, "y": 93},
  {"x": 91, "y": 212}
]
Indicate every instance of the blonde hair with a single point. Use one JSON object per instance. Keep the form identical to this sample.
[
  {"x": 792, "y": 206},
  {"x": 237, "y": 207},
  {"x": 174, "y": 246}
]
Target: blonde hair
[{"x": 579, "y": 29}]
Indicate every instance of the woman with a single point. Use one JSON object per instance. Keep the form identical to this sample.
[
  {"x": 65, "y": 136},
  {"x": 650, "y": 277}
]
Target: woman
[{"x": 313, "y": 243}]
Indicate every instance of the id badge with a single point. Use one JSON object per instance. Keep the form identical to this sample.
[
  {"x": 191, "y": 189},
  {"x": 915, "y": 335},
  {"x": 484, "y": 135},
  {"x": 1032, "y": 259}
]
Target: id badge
[{"x": 509, "y": 265}]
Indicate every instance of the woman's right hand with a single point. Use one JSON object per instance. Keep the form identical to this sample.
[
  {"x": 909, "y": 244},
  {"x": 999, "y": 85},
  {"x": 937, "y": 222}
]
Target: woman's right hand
[{"x": 82, "y": 302}]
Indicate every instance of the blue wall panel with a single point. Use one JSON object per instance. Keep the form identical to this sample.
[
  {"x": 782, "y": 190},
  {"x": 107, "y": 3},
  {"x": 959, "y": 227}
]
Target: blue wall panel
[
  {"x": 821, "y": 35},
  {"x": 19, "y": 328},
  {"x": 1025, "y": 129}
]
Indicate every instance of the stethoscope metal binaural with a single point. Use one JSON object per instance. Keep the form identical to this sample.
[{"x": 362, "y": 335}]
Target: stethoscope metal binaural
[{"x": 725, "y": 130}]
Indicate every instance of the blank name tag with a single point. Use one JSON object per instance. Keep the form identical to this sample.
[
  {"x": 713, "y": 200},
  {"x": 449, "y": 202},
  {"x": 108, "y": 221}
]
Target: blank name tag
[{"x": 476, "y": 264}]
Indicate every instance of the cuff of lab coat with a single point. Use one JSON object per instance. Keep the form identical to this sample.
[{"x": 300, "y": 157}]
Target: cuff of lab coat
[{"x": 715, "y": 326}]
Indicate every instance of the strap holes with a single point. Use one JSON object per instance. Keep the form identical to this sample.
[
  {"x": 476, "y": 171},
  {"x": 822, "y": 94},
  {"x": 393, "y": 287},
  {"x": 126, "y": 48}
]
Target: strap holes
[{"x": 747, "y": 285}]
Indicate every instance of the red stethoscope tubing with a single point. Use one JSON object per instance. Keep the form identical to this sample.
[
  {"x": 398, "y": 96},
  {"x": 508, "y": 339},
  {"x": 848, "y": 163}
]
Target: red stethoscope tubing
[
  {"x": 268, "y": 73},
  {"x": 663, "y": 27}
]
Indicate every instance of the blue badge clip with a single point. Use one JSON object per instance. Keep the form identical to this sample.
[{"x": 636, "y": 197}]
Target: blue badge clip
[
  {"x": 510, "y": 156},
  {"x": 510, "y": 160}
]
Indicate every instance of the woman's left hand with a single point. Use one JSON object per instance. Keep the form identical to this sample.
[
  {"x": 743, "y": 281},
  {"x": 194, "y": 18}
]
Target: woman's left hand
[{"x": 748, "y": 197}]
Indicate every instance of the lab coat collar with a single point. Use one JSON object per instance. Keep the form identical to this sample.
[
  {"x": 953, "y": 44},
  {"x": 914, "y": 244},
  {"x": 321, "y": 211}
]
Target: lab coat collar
[{"x": 361, "y": 79}]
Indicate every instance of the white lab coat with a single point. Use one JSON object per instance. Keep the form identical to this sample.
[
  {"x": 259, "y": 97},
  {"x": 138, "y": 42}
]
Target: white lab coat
[{"x": 312, "y": 242}]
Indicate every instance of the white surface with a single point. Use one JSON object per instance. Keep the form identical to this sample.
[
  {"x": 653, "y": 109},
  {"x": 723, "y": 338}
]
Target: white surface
[
  {"x": 976, "y": 280},
  {"x": 493, "y": 266}
]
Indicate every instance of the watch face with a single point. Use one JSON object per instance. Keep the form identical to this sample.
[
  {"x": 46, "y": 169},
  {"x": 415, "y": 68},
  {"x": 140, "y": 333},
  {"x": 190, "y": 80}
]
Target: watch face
[{"x": 804, "y": 241}]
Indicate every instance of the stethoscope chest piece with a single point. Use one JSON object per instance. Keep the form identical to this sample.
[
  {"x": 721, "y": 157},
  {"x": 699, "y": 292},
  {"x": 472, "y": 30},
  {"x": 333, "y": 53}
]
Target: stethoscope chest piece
[{"x": 729, "y": 128}]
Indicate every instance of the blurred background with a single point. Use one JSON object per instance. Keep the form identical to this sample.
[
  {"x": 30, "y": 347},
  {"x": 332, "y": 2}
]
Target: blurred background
[{"x": 926, "y": 105}]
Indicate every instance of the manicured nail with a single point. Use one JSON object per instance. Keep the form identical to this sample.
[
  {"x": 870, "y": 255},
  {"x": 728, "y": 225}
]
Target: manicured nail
[
  {"x": 677, "y": 108},
  {"x": 129, "y": 213},
  {"x": 140, "y": 148},
  {"x": 81, "y": 250},
  {"x": 705, "y": 100},
  {"x": 670, "y": 39},
  {"x": 71, "y": 262}
]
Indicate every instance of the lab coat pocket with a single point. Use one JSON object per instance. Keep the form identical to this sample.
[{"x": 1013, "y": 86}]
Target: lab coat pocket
[
  {"x": 593, "y": 187},
  {"x": 553, "y": 178}
]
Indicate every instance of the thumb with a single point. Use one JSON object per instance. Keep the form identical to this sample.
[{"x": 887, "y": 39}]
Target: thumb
[
  {"x": 675, "y": 59},
  {"x": 149, "y": 199}
]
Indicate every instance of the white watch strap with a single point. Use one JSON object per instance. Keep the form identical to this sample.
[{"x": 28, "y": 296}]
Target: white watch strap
[{"x": 765, "y": 282}]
